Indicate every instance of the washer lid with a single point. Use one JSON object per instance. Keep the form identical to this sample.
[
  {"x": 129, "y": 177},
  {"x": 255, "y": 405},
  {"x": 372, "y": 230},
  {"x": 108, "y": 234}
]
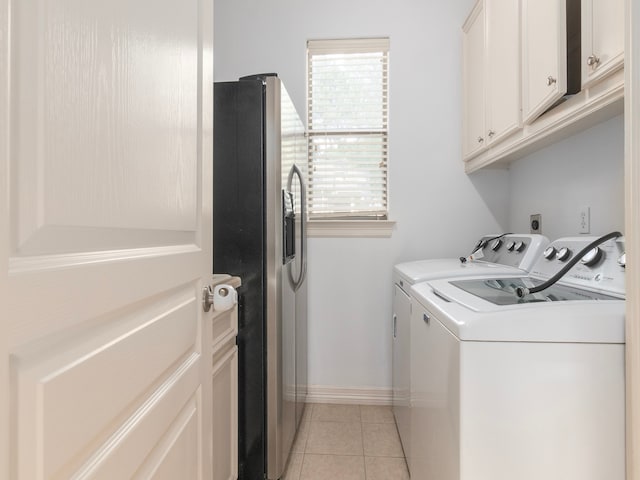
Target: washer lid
[
  {"x": 470, "y": 317},
  {"x": 502, "y": 291}
]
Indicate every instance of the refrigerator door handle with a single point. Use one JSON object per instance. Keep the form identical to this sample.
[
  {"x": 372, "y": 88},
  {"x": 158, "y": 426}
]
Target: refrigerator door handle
[
  {"x": 296, "y": 283},
  {"x": 303, "y": 228}
]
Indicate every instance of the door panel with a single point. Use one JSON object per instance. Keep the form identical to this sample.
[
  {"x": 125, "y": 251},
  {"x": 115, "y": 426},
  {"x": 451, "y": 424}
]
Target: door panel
[
  {"x": 88, "y": 84},
  {"x": 106, "y": 238},
  {"x": 177, "y": 455},
  {"x": 49, "y": 403}
]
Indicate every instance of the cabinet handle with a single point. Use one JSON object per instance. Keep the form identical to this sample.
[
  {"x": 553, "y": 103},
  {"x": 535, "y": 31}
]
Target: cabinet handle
[
  {"x": 480, "y": 139},
  {"x": 491, "y": 133},
  {"x": 551, "y": 80},
  {"x": 593, "y": 60},
  {"x": 426, "y": 318}
]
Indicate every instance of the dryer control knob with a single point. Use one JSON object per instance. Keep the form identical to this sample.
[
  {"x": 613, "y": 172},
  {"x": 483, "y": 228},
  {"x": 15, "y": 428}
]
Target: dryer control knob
[
  {"x": 564, "y": 254},
  {"x": 592, "y": 257},
  {"x": 550, "y": 253},
  {"x": 520, "y": 246},
  {"x": 622, "y": 261},
  {"x": 511, "y": 246},
  {"x": 495, "y": 246}
]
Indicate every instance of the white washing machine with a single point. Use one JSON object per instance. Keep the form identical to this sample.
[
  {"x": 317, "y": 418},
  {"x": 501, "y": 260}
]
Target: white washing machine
[
  {"x": 529, "y": 388},
  {"x": 499, "y": 255}
]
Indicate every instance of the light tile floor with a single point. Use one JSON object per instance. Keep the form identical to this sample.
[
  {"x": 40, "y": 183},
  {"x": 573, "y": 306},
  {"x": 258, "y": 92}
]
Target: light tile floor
[{"x": 347, "y": 442}]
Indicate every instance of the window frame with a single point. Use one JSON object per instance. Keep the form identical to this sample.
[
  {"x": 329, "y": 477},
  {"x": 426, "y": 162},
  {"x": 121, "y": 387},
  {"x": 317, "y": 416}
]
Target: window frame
[{"x": 349, "y": 226}]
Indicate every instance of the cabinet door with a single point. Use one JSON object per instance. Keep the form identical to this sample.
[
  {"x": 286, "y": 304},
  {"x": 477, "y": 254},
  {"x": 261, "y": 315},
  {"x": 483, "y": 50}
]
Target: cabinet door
[
  {"x": 544, "y": 55},
  {"x": 401, "y": 372},
  {"x": 225, "y": 416},
  {"x": 474, "y": 140},
  {"x": 503, "y": 85},
  {"x": 602, "y": 38}
]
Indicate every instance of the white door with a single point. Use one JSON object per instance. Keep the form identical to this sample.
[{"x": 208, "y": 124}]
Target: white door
[{"x": 105, "y": 244}]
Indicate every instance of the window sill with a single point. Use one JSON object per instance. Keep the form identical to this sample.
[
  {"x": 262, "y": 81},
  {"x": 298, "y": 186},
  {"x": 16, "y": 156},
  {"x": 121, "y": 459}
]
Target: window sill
[{"x": 350, "y": 228}]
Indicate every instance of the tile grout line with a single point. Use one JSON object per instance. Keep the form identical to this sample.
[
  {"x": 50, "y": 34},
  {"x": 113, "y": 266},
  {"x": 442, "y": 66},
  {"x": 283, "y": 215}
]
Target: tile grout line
[
  {"x": 306, "y": 440},
  {"x": 364, "y": 462}
]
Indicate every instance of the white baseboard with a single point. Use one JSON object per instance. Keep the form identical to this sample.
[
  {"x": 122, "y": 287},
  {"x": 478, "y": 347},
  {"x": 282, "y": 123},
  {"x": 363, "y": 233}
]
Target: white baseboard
[{"x": 349, "y": 395}]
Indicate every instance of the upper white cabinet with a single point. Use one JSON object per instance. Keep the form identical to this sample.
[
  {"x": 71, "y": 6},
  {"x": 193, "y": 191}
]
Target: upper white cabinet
[
  {"x": 473, "y": 79},
  {"x": 544, "y": 55},
  {"x": 537, "y": 71},
  {"x": 602, "y": 39},
  {"x": 503, "y": 63},
  {"x": 491, "y": 50}
]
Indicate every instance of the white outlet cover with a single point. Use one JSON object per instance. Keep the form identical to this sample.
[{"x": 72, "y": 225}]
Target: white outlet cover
[{"x": 584, "y": 220}]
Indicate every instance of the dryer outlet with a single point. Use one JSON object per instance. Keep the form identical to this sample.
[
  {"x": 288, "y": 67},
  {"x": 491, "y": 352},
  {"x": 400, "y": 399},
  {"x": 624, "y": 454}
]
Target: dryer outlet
[{"x": 535, "y": 223}]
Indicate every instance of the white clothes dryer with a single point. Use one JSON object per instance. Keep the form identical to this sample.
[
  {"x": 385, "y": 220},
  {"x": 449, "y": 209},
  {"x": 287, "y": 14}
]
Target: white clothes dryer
[
  {"x": 493, "y": 255},
  {"x": 526, "y": 388}
]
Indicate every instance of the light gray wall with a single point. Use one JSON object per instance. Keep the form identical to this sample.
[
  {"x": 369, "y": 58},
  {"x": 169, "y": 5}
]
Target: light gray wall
[
  {"x": 439, "y": 210},
  {"x": 586, "y": 169}
]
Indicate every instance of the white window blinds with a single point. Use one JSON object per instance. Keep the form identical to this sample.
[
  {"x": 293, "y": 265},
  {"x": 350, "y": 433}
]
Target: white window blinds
[{"x": 347, "y": 128}]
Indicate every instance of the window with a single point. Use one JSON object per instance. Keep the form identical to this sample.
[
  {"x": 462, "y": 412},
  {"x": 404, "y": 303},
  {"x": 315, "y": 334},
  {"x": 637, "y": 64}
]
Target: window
[{"x": 347, "y": 108}]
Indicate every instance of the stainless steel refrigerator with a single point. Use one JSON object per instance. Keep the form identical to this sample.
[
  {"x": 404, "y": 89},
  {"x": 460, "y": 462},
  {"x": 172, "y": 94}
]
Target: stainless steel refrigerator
[{"x": 259, "y": 234}]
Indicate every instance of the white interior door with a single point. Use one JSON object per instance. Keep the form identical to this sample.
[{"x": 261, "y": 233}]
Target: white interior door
[{"x": 106, "y": 136}]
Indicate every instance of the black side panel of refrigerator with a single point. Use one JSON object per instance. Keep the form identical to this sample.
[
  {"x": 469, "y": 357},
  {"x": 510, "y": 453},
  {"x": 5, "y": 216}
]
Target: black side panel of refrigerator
[{"x": 239, "y": 249}]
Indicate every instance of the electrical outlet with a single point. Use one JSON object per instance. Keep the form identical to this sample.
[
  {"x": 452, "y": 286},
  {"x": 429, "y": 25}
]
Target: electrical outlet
[
  {"x": 535, "y": 223},
  {"x": 585, "y": 220}
]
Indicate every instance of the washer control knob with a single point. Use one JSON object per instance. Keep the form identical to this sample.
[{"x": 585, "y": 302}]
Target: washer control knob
[
  {"x": 592, "y": 257},
  {"x": 511, "y": 246},
  {"x": 564, "y": 254},
  {"x": 622, "y": 261},
  {"x": 550, "y": 253},
  {"x": 519, "y": 246},
  {"x": 495, "y": 246}
]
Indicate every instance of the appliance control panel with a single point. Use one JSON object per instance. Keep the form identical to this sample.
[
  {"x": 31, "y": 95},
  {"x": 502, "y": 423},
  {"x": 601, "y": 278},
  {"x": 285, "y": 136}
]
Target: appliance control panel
[
  {"x": 601, "y": 268},
  {"x": 514, "y": 250}
]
